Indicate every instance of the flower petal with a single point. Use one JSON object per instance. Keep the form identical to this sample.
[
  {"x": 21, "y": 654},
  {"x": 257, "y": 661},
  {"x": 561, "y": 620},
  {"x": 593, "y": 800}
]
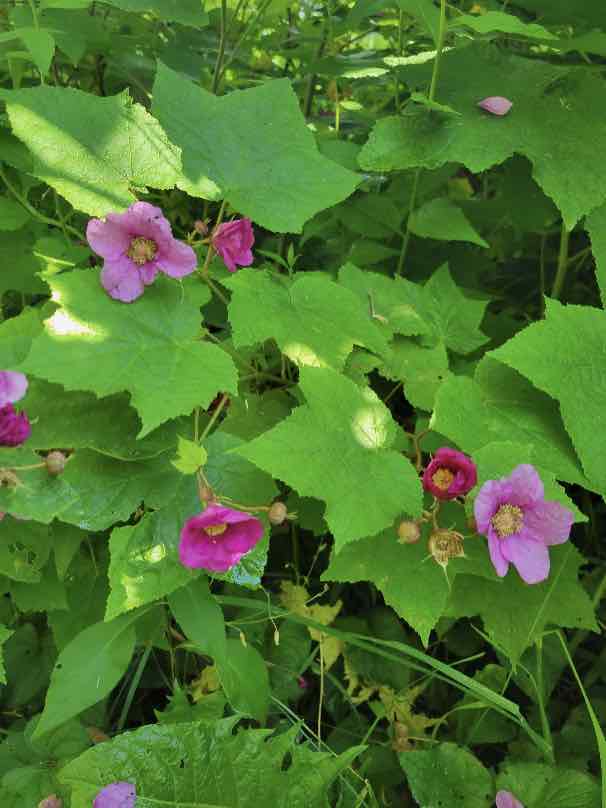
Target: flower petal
[
  {"x": 121, "y": 280},
  {"x": 109, "y": 238},
  {"x": 176, "y": 259},
  {"x": 496, "y": 105},
  {"x": 549, "y": 522},
  {"x": 492, "y": 494},
  {"x": 529, "y": 557},
  {"x": 240, "y": 538},
  {"x": 148, "y": 221},
  {"x": 13, "y": 386},
  {"x": 505, "y": 799},
  {"x": 526, "y": 485},
  {"x": 500, "y": 563},
  {"x": 116, "y": 795}
]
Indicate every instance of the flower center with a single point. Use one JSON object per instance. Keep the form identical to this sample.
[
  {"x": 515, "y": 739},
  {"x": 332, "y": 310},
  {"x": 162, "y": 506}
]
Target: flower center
[
  {"x": 507, "y": 520},
  {"x": 216, "y": 530},
  {"x": 443, "y": 478},
  {"x": 142, "y": 250}
]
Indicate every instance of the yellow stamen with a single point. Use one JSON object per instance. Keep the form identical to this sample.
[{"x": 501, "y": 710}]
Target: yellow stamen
[
  {"x": 215, "y": 530},
  {"x": 507, "y": 520},
  {"x": 142, "y": 250},
  {"x": 442, "y": 478}
]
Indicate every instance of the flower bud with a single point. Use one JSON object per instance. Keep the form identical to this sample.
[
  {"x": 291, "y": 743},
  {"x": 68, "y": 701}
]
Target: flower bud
[
  {"x": 400, "y": 742},
  {"x": 97, "y": 735},
  {"x": 408, "y": 532},
  {"x": 8, "y": 479},
  {"x": 445, "y": 544},
  {"x": 201, "y": 227},
  {"x": 277, "y": 513},
  {"x": 206, "y": 493},
  {"x": 55, "y": 463},
  {"x": 53, "y": 801}
]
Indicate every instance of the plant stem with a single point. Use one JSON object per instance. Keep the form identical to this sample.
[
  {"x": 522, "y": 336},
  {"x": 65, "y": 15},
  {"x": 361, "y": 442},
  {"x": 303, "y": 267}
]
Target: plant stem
[
  {"x": 215, "y": 415},
  {"x": 221, "y": 53},
  {"x": 541, "y": 699},
  {"x": 133, "y": 688},
  {"x": 36, "y": 214},
  {"x": 562, "y": 263},
  {"x": 432, "y": 94}
]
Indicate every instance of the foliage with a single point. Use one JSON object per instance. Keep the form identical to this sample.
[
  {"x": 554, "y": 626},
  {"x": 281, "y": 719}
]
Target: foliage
[{"x": 427, "y": 272}]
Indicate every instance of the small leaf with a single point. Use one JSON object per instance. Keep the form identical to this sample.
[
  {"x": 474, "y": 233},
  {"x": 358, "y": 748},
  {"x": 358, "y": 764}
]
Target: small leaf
[
  {"x": 441, "y": 219},
  {"x": 245, "y": 680},
  {"x": 190, "y": 456},
  {"x": 200, "y": 617}
]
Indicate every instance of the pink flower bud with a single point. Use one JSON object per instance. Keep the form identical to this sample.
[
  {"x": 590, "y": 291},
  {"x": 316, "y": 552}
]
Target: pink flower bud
[
  {"x": 14, "y": 426},
  {"x": 233, "y": 241},
  {"x": 496, "y": 105}
]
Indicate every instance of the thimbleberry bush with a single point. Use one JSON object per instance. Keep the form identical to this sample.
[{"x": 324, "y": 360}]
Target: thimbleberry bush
[{"x": 302, "y": 403}]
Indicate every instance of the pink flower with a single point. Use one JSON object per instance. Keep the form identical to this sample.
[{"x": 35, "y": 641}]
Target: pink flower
[
  {"x": 505, "y": 799},
  {"x": 217, "y": 538},
  {"x": 450, "y": 474},
  {"x": 136, "y": 245},
  {"x": 116, "y": 795},
  {"x": 519, "y": 524},
  {"x": 14, "y": 426},
  {"x": 13, "y": 387},
  {"x": 496, "y": 105},
  {"x": 233, "y": 241}
]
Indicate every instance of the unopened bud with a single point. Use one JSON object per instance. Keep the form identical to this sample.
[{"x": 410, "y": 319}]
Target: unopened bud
[
  {"x": 55, "y": 463},
  {"x": 206, "y": 493},
  {"x": 446, "y": 544},
  {"x": 400, "y": 742},
  {"x": 8, "y": 479},
  {"x": 277, "y": 513},
  {"x": 51, "y": 802},
  {"x": 409, "y": 532},
  {"x": 200, "y": 227}
]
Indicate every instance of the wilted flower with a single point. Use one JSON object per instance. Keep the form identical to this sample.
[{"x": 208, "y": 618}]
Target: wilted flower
[
  {"x": 450, "y": 474},
  {"x": 136, "y": 245},
  {"x": 14, "y": 426},
  {"x": 116, "y": 795},
  {"x": 13, "y": 386},
  {"x": 512, "y": 513},
  {"x": 53, "y": 801},
  {"x": 217, "y": 538},
  {"x": 505, "y": 799},
  {"x": 445, "y": 545},
  {"x": 408, "y": 532},
  {"x": 496, "y": 105},
  {"x": 233, "y": 241}
]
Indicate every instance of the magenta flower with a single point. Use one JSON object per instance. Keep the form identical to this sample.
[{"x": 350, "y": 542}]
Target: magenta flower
[
  {"x": 519, "y": 524},
  {"x": 496, "y": 105},
  {"x": 13, "y": 387},
  {"x": 136, "y": 245},
  {"x": 14, "y": 426},
  {"x": 505, "y": 799},
  {"x": 450, "y": 474},
  {"x": 233, "y": 241},
  {"x": 116, "y": 795},
  {"x": 217, "y": 538}
]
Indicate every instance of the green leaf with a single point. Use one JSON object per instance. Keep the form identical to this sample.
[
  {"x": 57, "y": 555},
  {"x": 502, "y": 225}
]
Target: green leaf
[
  {"x": 554, "y": 110},
  {"x": 83, "y": 421},
  {"x": 426, "y": 14},
  {"x": 244, "y": 679},
  {"x": 12, "y": 215},
  {"x": 447, "y": 775},
  {"x": 66, "y": 541},
  {"x": 180, "y": 711},
  {"x": 92, "y": 150},
  {"x": 200, "y": 617},
  {"x": 539, "y": 784},
  {"x": 87, "y": 670},
  {"x": 170, "y": 370},
  {"x": 233, "y": 146},
  {"x": 335, "y": 447},
  {"x": 93, "y": 492},
  {"x": 422, "y": 369},
  {"x": 87, "y": 590},
  {"x": 186, "y": 12},
  {"x": 441, "y": 219},
  {"x": 5, "y": 633},
  {"x": 145, "y": 563},
  {"x": 596, "y": 227},
  {"x": 190, "y": 456},
  {"x": 561, "y": 355},
  {"x": 44, "y": 595},
  {"x": 314, "y": 320},
  {"x": 19, "y": 265},
  {"x": 420, "y": 98},
  {"x": 500, "y": 403},
  {"x": 288, "y": 659},
  {"x": 204, "y": 764},
  {"x": 41, "y": 46},
  {"x": 498, "y": 21}
]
